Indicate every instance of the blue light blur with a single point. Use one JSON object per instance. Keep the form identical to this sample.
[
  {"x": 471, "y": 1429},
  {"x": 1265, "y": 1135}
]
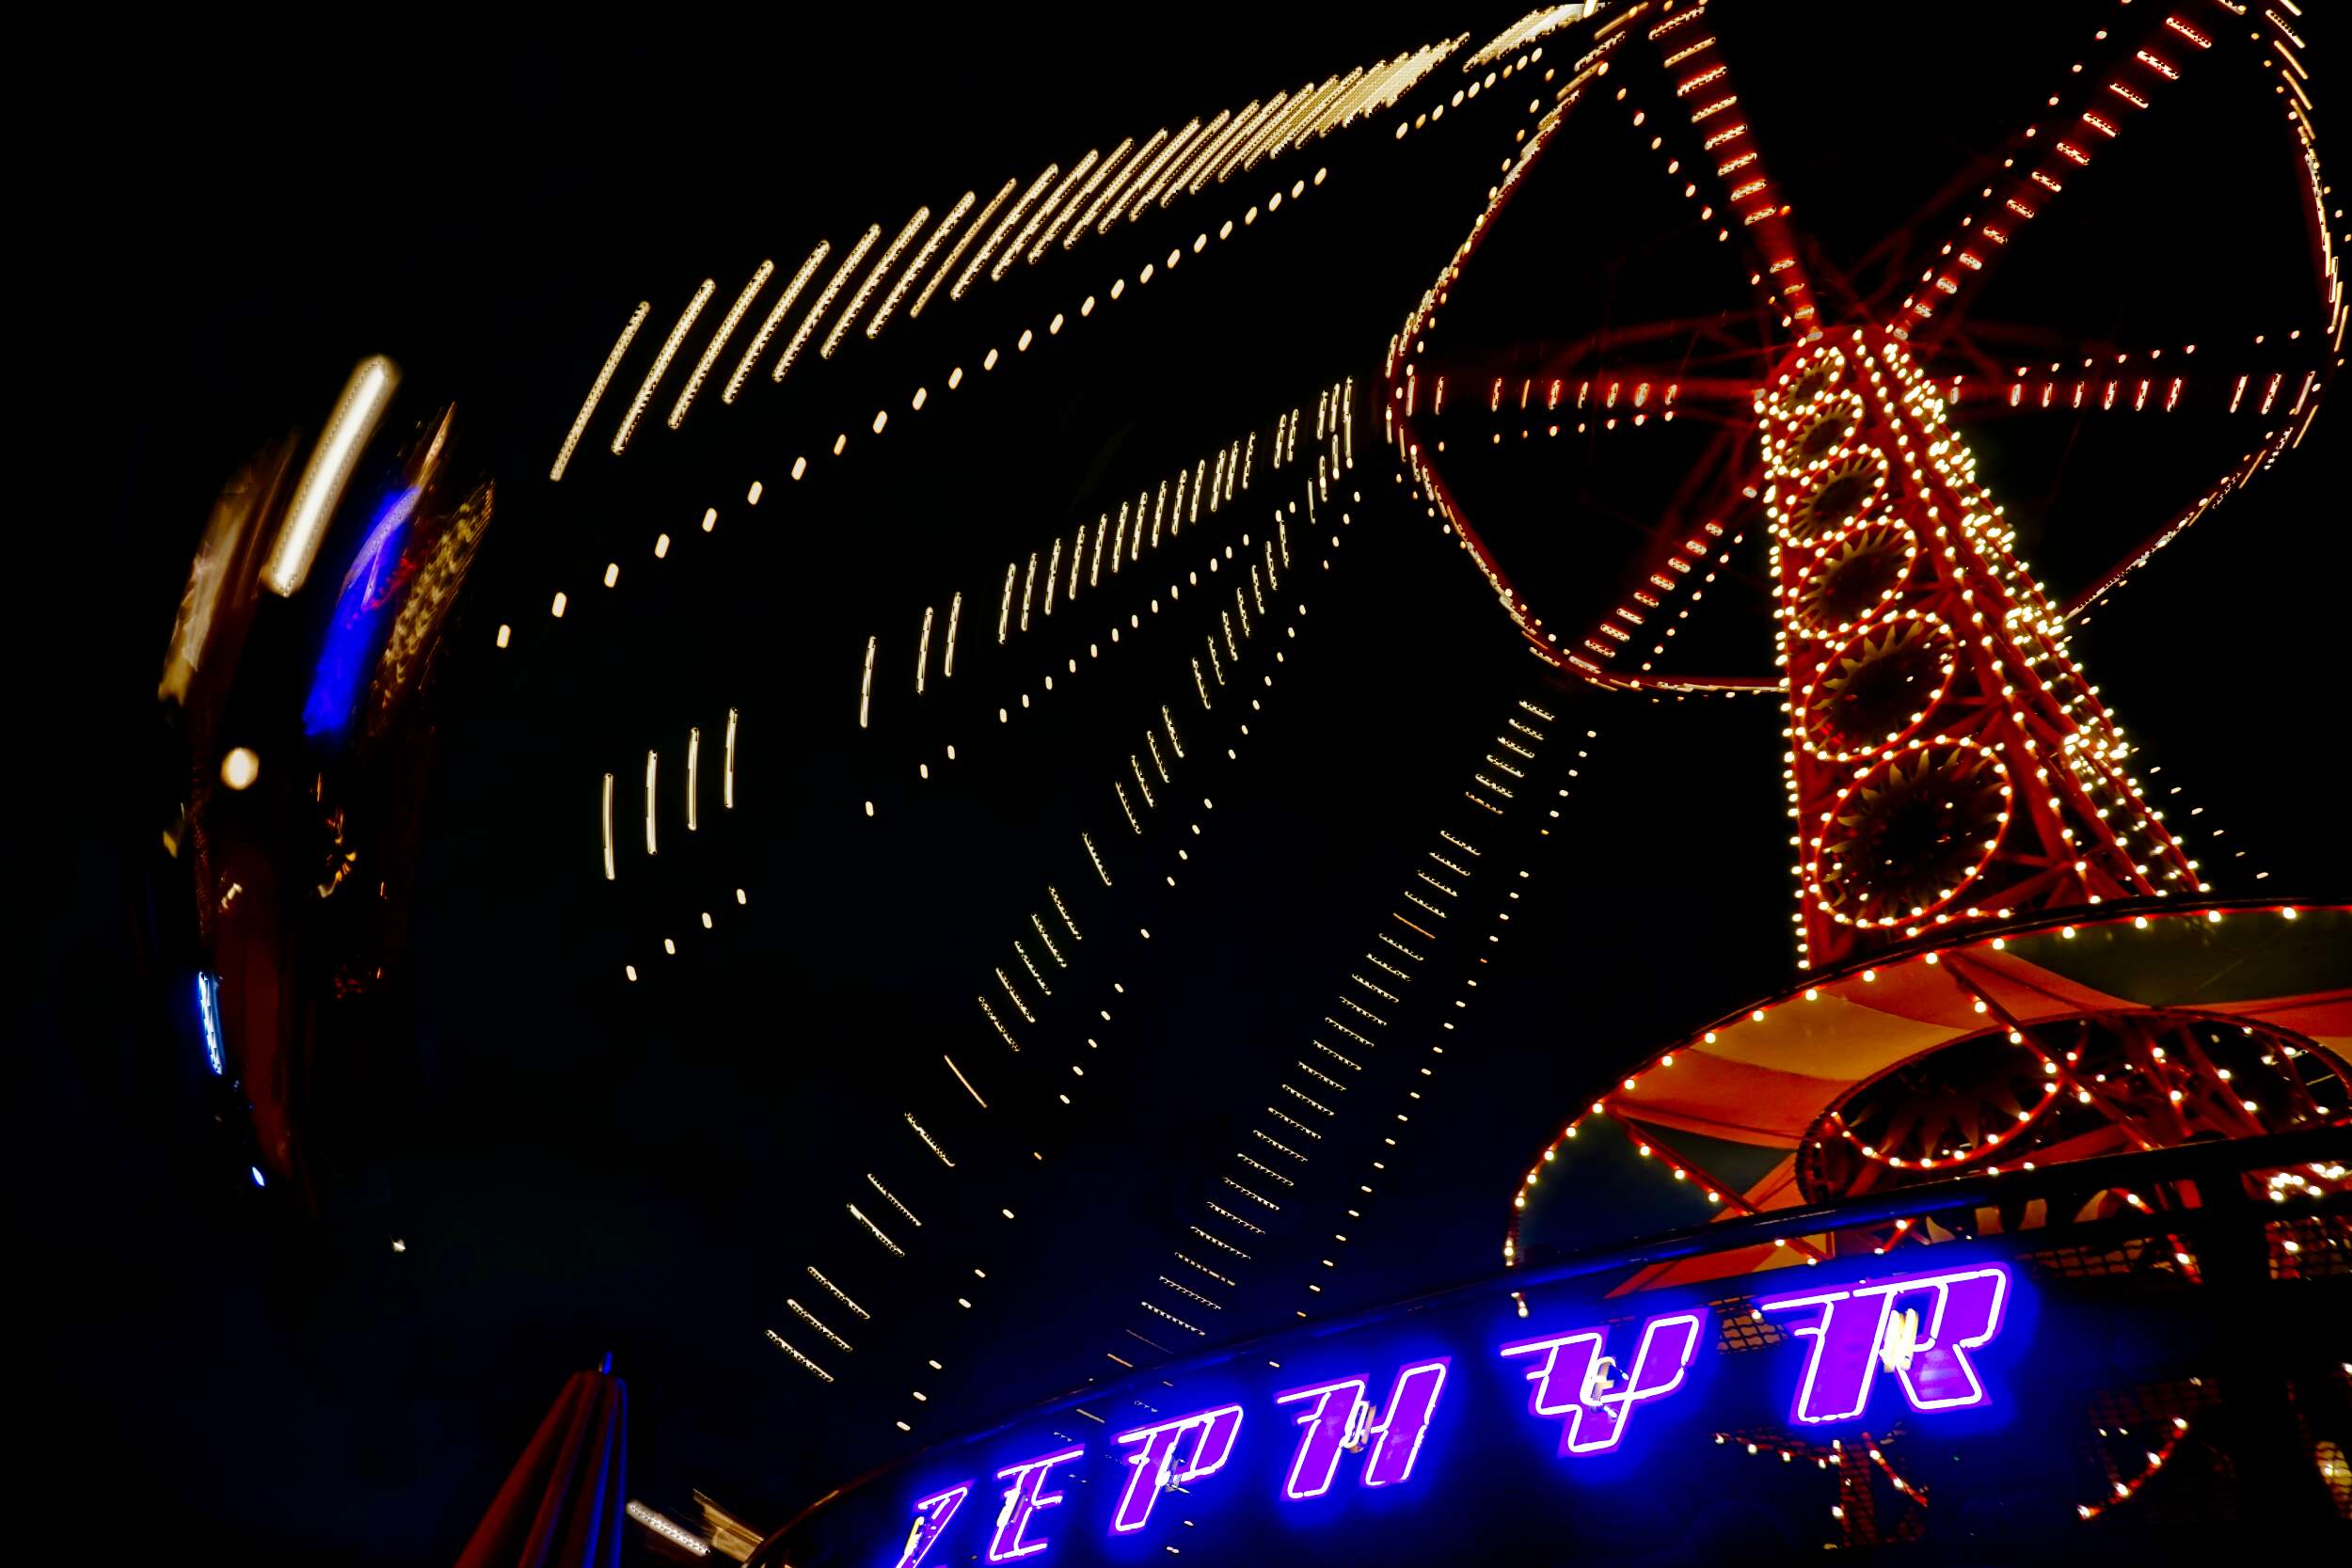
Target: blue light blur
[
  {"x": 208, "y": 1010},
  {"x": 370, "y": 587},
  {"x": 257, "y": 1175}
]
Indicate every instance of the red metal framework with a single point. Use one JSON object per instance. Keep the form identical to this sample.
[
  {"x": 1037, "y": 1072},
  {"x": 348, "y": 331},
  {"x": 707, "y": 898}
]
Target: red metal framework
[
  {"x": 1961, "y": 802},
  {"x": 1947, "y": 761}
]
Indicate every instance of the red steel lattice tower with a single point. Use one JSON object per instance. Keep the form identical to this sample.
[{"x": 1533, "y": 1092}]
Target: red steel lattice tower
[{"x": 1947, "y": 761}]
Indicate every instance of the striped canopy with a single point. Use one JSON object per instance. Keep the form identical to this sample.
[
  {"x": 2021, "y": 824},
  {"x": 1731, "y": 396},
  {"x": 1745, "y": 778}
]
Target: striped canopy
[{"x": 1731, "y": 1104}]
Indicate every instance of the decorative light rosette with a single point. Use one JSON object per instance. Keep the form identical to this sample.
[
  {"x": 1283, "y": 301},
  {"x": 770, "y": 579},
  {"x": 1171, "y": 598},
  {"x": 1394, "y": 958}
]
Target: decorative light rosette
[
  {"x": 1856, "y": 576},
  {"x": 1911, "y": 834},
  {"x": 1832, "y": 496},
  {"x": 1818, "y": 438},
  {"x": 1798, "y": 393},
  {"x": 1878, "y": 687}
]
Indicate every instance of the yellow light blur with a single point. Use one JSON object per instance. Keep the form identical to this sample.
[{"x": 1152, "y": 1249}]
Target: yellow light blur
[
  {"x": 717, "y": 341},
  {"x": 948, "y": 265},
  {"x": 775, "y": 318},
  {"x": 833, "y": 285},
  {"x": 595, "y": 392},
  {"x": 348, "y": 427},
  {"x": 660, "y": 366}
]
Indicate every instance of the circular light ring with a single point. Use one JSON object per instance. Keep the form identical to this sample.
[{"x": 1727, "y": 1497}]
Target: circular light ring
[
  {"x": 1985, "y": 1066},
  {"x": 1855, "y": 574},
  {"x": 1911, "y": 834},
  {"x": 1878, "y": 687},
  {"x": 1820, "y": 439},
  {"x": 1991, "y": 1096},
  {"x": 1801, "y": 389},
  {"x": 1854, "y": 980},
  {"x": 1839, "y": 494}
]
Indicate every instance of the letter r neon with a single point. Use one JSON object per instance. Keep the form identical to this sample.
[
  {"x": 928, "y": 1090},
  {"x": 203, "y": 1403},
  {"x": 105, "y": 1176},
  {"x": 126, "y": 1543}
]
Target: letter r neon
[{"x": 1850, "y": 1331}]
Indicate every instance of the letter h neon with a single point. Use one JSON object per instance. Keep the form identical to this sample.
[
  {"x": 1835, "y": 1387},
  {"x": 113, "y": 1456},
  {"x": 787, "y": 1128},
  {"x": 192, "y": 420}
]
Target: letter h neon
[{"x": 1339, "y": 1417}]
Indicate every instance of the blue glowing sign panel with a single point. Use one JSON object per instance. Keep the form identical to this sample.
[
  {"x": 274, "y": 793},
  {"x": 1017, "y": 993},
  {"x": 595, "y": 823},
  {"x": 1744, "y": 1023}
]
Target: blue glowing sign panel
[{"x": 1596, "y": 1384}]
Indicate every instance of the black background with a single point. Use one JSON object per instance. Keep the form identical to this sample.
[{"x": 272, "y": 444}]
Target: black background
[{"x": 223, "y": 221}]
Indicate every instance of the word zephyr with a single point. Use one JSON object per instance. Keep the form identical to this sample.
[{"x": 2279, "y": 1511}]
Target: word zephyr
[{"x": 1920, "y": 1328}]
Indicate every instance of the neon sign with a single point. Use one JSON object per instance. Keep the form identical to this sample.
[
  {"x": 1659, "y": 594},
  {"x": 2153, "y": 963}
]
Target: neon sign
[
  {"x": 1024, "y": 1498},
  {"x": 1396, "y": 1438},
  {"x": 1857, "y": 1332},
  {"x": 1593, "y": 1408},
  {"x": 1922, "y": 1329},
  {"x": 1156, "y": 1458},
  {"x": 930, "y": 1517}
]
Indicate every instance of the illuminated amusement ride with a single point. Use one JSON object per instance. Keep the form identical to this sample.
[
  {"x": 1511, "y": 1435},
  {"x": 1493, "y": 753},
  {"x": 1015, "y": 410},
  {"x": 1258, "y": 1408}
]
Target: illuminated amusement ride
[
  {"x": 2022, "y": 1214},
  {"x": 2009, "y": 962}
]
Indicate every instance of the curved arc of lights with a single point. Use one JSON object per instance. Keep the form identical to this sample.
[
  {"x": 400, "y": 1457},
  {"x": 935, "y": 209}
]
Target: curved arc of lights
[
  {"x": 1936, "y": 947},
  {"x": 2110, "y": 96}
]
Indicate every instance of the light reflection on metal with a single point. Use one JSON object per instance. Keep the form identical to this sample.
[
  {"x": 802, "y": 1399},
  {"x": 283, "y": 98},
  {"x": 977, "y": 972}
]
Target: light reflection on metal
[
  {"x": 922, "y": 259},
  {"x": 677, "y": 1535},
  {"x": 219, "y": 588},
  {"x": 354, "y": 419},
  {"x": 595, "y": 392}
]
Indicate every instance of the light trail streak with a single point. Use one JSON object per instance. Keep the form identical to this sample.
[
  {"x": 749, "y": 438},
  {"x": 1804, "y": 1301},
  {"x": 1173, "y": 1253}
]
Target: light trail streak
[
  {"x": 660, "y": 366},
  {"x": 595, "y": 392}
]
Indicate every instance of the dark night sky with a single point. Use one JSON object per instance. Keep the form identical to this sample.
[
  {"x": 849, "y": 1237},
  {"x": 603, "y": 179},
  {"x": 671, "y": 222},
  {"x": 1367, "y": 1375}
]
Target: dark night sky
[{"x": 578, "y": 1165}]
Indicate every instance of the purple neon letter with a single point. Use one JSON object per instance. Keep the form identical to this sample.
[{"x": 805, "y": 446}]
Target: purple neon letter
[
  {"x": 1575, "y": 1380},
  {"x": 1339, "y": 1417},
  {"x": 1153, "y": 1465},
  {"x": 1025, "y": 1496},
  {"x": 1924, "y": 1341},
  {"x": 930, "y": 1517}
]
